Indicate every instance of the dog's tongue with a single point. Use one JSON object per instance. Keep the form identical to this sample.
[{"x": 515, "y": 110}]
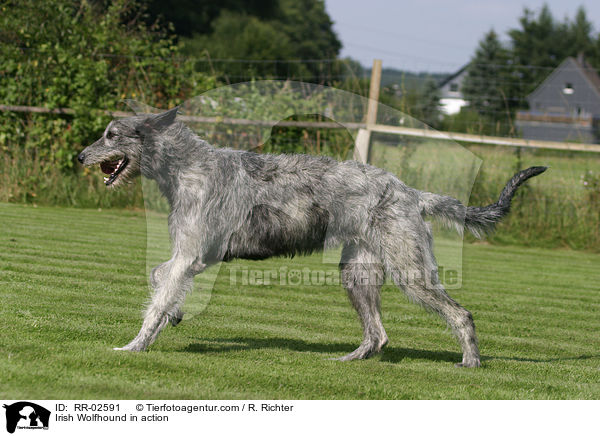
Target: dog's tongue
[{"x": 109, "y": 167}]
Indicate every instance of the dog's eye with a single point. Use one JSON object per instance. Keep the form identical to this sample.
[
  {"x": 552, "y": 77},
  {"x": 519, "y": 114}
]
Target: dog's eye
[{"x": 110, "y": 135}]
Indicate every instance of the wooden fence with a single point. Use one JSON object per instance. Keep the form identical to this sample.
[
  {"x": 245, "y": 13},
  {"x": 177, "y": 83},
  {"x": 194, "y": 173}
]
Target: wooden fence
[{"x": 361, "y": 150}]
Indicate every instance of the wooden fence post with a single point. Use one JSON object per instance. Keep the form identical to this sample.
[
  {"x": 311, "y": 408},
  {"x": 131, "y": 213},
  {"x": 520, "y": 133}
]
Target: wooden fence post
[{"x": 363, "y": 138}]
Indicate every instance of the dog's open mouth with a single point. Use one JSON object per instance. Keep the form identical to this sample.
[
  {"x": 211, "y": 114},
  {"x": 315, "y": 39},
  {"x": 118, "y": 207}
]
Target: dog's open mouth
[{"x": 113, "y": 168}]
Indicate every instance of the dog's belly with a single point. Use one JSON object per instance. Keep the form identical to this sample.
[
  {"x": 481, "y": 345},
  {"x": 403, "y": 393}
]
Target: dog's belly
[{"x": 268, "y": 232}]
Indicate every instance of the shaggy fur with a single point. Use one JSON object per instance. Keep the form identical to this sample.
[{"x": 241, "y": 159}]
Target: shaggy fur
[{"x": 228, "y": 204}]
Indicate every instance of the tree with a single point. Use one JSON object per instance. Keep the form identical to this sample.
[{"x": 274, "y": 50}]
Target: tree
[
  {"x": 309, "y": 29},
  {"x": 243, "y": 39},
  {"x": 487, "y": 74},
  {"x": 196, "y": 17},
  {"x": 500, "y": 77},
  {"x": 277, "y": 35},
  {"x": 429, "y": 103},
  {"x": 66, "y": 53},
  {"x": 542, "y": 43},
  {"x": 581, "y": 34}
]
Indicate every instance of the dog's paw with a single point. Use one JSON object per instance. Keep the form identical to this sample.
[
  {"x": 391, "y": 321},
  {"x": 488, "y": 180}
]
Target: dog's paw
[
  {"x": 469, "y": 363},
  {"x": 130, "y": 347},
  {"x": 176, "y": 319},
  {"x": 365, "y": 351}
]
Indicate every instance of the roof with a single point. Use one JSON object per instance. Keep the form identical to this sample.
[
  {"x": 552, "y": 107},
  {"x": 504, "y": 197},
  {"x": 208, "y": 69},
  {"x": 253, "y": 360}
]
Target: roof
[
  {"x": 579, "y": 63},
  {"x": 589, "y": 72},
  {"x": 453, "y": 76}
]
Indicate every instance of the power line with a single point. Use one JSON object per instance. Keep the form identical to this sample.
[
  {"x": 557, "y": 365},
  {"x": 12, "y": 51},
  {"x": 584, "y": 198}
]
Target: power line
[{"x": 397, "y": 55}]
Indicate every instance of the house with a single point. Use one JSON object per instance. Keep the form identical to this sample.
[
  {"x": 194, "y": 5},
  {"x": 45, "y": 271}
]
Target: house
[
  {"x": 565, "y": 106},
  {"x": 451, "y": 98}
]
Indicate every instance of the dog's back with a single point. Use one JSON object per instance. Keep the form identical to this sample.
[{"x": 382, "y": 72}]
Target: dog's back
[{"x": 297, "y": 204}]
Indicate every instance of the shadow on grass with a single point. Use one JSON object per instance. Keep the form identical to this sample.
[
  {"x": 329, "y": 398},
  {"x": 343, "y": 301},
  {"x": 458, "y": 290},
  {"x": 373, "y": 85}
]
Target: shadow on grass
[{"x": 390, "y": 354}]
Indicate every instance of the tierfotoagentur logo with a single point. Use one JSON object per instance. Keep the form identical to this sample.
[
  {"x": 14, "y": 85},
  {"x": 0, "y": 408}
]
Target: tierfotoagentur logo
[
  {"x": 24, "y": 415},
  {"x": 289, "y": 276}
]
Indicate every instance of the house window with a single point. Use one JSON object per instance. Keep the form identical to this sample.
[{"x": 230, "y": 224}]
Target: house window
[
  {"x": 568, "y": 89},
  {"x": 454, "y": 87}
]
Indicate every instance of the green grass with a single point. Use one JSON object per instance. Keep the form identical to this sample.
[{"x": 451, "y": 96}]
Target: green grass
[{"x": 73, "y": 286}]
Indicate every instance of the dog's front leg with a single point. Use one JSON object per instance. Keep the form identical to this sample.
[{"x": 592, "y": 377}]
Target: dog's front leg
[{"x": 171, "y": 281}]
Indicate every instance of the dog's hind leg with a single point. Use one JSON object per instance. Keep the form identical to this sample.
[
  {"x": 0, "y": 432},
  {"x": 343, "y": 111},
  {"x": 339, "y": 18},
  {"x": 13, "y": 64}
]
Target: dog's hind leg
[
  {"x": 171, "y": 280},
  {"x": 414, "y": 270},
  {"x": 362, "y": 276},
  {"x": 435, "y": 298}
]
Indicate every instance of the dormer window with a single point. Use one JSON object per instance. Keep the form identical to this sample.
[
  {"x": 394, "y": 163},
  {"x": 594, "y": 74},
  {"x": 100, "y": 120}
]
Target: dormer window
[
  {"x": 454, "y": 87},
  {"x": 568, "y": 89}
]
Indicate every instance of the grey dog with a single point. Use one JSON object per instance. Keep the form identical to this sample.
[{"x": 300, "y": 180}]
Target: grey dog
[{"x": 228, "y": 204}]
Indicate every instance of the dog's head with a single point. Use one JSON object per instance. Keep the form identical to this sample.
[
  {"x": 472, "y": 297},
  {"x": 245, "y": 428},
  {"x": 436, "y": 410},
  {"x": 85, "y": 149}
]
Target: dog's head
[{"x": 119, "y": 151}]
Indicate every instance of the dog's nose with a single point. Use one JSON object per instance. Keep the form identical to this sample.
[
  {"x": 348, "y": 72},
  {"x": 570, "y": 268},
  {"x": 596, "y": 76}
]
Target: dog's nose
[{"x": 81, "y": 157}]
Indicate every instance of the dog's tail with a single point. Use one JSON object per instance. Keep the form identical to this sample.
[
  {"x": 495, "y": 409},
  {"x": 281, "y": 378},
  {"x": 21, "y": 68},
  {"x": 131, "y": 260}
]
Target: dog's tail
[{"x": 478, "y": 220}]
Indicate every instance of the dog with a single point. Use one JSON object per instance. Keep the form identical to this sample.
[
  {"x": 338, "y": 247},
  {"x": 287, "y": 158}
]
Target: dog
[{"x": 228, "y": 204}]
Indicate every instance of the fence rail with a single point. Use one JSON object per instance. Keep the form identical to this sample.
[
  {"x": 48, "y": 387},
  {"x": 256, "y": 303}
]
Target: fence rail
[
  {"x": 380, "y": 128},
  {"x": 490, "y": 140}
]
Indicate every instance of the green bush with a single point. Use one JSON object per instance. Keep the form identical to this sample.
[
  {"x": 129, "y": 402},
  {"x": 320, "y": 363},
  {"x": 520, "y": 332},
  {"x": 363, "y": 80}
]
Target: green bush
[{"x": 74, "y": 54}]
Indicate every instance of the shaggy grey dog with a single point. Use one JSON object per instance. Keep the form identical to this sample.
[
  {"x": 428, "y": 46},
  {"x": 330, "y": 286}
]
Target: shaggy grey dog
[{"x": 228, "y": 204}]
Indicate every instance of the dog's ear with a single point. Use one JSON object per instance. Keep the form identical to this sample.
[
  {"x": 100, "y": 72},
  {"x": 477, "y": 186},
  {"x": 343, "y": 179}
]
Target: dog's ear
[{"x": 163, "y": 120}]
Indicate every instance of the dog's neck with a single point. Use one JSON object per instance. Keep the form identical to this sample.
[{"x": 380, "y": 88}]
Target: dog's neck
[{"x": 165, "y": 155}]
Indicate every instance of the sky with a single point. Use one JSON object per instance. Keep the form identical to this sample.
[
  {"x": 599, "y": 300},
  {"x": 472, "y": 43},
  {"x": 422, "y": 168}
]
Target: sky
[{"x": 433, "y": 35}]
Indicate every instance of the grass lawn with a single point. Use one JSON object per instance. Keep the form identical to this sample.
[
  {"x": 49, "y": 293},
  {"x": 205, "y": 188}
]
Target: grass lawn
[{"x": 73, "y": 284}]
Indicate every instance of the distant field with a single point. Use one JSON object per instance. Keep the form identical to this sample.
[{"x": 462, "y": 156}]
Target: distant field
[
  {"x": 435, "y": 161},
  {"x": 560, "y": 208},
  {"x": 73, "y": 285}
]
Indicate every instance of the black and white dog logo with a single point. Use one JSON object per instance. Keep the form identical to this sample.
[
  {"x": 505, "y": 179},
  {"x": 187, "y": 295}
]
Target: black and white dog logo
[{"x": 26, "y": 415}]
